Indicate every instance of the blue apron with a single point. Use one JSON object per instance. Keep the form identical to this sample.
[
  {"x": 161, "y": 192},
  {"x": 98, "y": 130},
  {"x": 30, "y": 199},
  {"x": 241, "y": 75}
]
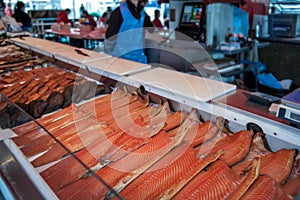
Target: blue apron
[{"x": 130, "y": 43}]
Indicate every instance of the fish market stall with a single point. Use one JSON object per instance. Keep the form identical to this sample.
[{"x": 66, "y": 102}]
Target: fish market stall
[{"x": 145, "y": 138}]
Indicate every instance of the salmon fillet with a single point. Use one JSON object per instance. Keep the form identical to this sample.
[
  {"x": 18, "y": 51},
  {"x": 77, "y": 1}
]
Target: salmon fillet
[
  {"x": 73, "y": 144},
  {"x": 91, "y": 154},
  {"x": 169, "y": 173},
  {"x": 69, "y": 170},
  {"x": 198, "y": 134},
  {"x": 35, "y": 147},
  {"x": 219, "y": 181},
  {"x": 277, "y": 165},
  {"x": 259, "y": 147},
  {"x": 113, "y": 174},
  {"x": 235, "y": 145},
  {"x": 265, "y": 188}
]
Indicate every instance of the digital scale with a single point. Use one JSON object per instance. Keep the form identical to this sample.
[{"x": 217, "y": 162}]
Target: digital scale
[
  {"x": 290, "y": 108},
  {"x": 289, "y": 113}
]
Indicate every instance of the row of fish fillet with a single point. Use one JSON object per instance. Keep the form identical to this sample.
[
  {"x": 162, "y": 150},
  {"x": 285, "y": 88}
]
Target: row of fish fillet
[{"x": 122, "y": 146}]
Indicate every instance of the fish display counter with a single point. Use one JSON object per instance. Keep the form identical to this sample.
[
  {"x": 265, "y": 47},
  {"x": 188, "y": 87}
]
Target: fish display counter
[{"x": 152, "y": 139}]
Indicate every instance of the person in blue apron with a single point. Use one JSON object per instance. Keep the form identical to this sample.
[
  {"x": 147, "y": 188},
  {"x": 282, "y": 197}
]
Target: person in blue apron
[{"x": 125, "y": 33}]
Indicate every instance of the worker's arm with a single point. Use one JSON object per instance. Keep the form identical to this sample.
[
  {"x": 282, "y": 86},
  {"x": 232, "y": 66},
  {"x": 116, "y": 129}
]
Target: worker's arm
[{"x": 114, "y": 23}]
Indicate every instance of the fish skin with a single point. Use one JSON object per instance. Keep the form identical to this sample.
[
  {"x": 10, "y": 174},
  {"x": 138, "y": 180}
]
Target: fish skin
[
  {"x": 265, "y": 188},
  {"x": 277, "y": 165},
  {"x": 218, "y": 182},
  {"x": 92, "y": 189},
  {"x": 235, "y": 145}
]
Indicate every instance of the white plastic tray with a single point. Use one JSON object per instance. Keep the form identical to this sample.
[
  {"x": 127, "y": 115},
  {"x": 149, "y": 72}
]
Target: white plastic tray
[{"x": 182, "y": 86}]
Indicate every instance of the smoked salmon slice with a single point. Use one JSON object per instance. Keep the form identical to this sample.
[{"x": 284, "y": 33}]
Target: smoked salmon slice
[
  {"x": 56, "y": 126},
  {"x": 219, "y": 181},
  {"x": 265, "y": 188},
  {"x": 292, "y": 186},
  {"x": 30, "y": 126},
  {"x": 235, "y": 145}
]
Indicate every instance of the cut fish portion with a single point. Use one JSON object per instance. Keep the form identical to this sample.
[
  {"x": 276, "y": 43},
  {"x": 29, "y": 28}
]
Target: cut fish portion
[
  {"x": 169, "y": 173},
  {"x": 111, "y": 175},
  {"x": 30, "y": 126},
  {"x": 277, "y": 165},
  {"x": 35, "y": 147},
  {"x": 258, "y": 148},
  {"x": 90, "y": 156},
  {"x": 70, "y": 170},
  {"x": 198, "y": 134},
  {"x": 55, "y": 127},
  {"x": 219, "y": 182},
  {"x": 73, "y": 144},
  {"x": 54, "y": 123},
  {"x": 235, "y": 145},
  {"x": 265, "y": 188}
]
